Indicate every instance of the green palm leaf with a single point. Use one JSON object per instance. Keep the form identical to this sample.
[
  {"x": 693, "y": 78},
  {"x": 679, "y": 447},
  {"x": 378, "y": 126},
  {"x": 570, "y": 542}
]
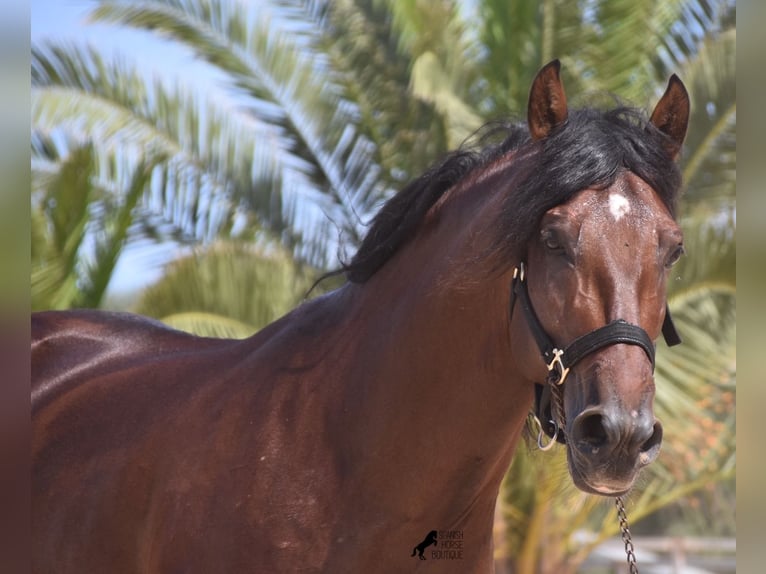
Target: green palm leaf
[
  {"x": 74, "y": 88},
  {"x": 710, "y": 161},
  {"x": 209, "y": 325},
  {"x": 288, "y": 89},
  {"x": 60, "y": 216},
  {"x": 79, "y": 225},
  {"x": 232, "y": 281}
]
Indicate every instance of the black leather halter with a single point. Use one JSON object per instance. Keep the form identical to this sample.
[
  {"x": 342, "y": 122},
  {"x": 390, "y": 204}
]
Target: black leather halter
[{"x": 559, "y": 361}]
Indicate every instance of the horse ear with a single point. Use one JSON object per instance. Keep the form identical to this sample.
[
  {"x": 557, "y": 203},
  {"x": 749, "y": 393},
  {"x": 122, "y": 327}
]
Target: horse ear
[
  {"x": 671, "y": 115},
  {"x": 547, "y": 106}
]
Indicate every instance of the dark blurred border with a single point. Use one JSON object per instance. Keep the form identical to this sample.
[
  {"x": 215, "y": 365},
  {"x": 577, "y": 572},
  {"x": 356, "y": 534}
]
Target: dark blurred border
[
  {"x": 751, "y": 285},
  {"x": 14, "y": 285}
]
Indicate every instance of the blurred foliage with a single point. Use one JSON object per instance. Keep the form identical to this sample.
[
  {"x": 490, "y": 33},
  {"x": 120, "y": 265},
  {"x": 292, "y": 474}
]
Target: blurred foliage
[{"x": 229, "y": 289}]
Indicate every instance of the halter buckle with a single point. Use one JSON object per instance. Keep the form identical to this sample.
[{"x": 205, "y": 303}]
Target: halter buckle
[{"x": 557, "y": 364}]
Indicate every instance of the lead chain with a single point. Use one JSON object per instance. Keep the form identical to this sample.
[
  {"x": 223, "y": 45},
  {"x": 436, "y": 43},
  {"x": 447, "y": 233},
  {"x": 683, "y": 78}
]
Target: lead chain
[{"x": 629, "y": 551}]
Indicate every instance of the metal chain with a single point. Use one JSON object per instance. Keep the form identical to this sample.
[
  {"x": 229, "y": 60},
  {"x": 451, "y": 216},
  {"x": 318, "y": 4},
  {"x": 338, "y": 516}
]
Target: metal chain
[
  {"x": 558, "y": 400},
  {"x": 629, "y": 551}
]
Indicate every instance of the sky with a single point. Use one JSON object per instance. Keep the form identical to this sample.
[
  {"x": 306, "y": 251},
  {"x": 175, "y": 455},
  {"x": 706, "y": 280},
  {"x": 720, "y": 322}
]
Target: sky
[{"x": 67, "y": 21}]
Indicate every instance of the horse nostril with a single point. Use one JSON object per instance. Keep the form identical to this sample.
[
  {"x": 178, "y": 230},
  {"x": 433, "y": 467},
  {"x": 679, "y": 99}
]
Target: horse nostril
[
  {"x": 590, "y": 431},
  {"x": 651, "y": 447},
  {"x": 597, "y": 431}
]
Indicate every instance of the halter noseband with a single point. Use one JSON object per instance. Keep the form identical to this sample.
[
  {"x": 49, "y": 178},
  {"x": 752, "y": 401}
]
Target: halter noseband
[{"x": 560, "y": 361}]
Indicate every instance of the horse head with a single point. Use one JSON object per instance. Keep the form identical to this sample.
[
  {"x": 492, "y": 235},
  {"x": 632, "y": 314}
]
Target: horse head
[{"x": 602, "y": 258}]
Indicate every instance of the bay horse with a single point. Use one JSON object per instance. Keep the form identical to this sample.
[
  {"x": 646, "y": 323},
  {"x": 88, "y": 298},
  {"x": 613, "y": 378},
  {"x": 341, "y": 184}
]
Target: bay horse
[{"x": 336, "y": 438}]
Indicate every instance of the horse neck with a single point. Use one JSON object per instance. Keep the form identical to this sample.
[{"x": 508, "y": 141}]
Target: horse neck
[{"x": 432, "y": 389}]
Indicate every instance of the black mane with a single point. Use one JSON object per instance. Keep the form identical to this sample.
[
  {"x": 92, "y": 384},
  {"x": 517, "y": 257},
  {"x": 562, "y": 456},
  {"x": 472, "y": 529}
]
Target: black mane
[{"x": 589, "y": 150}]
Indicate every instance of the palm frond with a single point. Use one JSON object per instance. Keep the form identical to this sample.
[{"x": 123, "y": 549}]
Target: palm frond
[
  {"x": 209, "y": 325},
  {"x": 621, "y": 44},
  {"x": 243, "y": 282},
  {"x": 112, "y": 233},
  {"x": 710, "y": 164},
  {"x": 287, "y": 88},
  {"x": 60, "y": 217},
  {"x": 430, "y": 82},
  {"x": 511, "y": 33},
  {"x": 372, "y": 65},
  {"x": 74, "y": 89},
  {"x": 710, "y": 245},
  {"x": 80, "y": 224}
]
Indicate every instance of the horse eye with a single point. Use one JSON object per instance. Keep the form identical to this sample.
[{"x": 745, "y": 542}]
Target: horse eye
[
  {"x": 675, "y": 256},
  {"x": 551, "y": 241}
]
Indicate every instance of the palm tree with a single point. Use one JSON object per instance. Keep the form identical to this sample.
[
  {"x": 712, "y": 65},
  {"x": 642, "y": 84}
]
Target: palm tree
[
  {"x": 228, "y": 289},
  {"x": 68, "y": 203},
  {"x": 354, "y": 97}
]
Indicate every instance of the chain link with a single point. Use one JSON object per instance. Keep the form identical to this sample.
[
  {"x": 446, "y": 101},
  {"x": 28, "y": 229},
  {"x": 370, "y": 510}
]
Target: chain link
[{"x": 625, "y": 530}]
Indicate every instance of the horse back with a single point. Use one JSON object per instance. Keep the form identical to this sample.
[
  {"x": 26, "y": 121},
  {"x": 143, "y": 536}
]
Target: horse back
[{"x": 70, "y": 347}]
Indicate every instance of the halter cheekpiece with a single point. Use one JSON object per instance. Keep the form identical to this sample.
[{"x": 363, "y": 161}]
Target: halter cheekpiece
[{"x": 560, "y": 361}]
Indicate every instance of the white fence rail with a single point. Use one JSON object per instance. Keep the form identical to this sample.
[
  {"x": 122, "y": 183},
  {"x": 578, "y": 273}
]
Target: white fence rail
[{"x": 666, "y": 555}]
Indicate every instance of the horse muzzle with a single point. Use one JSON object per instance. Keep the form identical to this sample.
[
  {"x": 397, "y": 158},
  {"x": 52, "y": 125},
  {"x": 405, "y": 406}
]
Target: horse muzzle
[{"x": 607, "y": 447}]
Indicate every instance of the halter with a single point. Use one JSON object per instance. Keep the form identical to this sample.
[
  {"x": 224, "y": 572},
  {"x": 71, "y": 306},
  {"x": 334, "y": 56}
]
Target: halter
[{"x": 560, "y": 361}]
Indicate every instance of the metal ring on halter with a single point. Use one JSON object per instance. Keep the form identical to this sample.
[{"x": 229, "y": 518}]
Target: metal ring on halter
[{"x": 541, "y": 433}]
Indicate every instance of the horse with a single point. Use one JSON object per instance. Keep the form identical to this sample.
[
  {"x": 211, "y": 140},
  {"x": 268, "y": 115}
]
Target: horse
[{"x": 333, "y": 438}]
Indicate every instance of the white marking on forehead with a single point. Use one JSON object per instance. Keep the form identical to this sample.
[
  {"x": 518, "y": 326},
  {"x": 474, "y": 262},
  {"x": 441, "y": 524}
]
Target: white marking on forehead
[{"x": 618, "y": 205}]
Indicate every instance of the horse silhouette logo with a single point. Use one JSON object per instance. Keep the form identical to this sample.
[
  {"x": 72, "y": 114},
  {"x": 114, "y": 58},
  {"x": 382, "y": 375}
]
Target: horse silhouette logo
[{"x": 429, "y": 540}]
